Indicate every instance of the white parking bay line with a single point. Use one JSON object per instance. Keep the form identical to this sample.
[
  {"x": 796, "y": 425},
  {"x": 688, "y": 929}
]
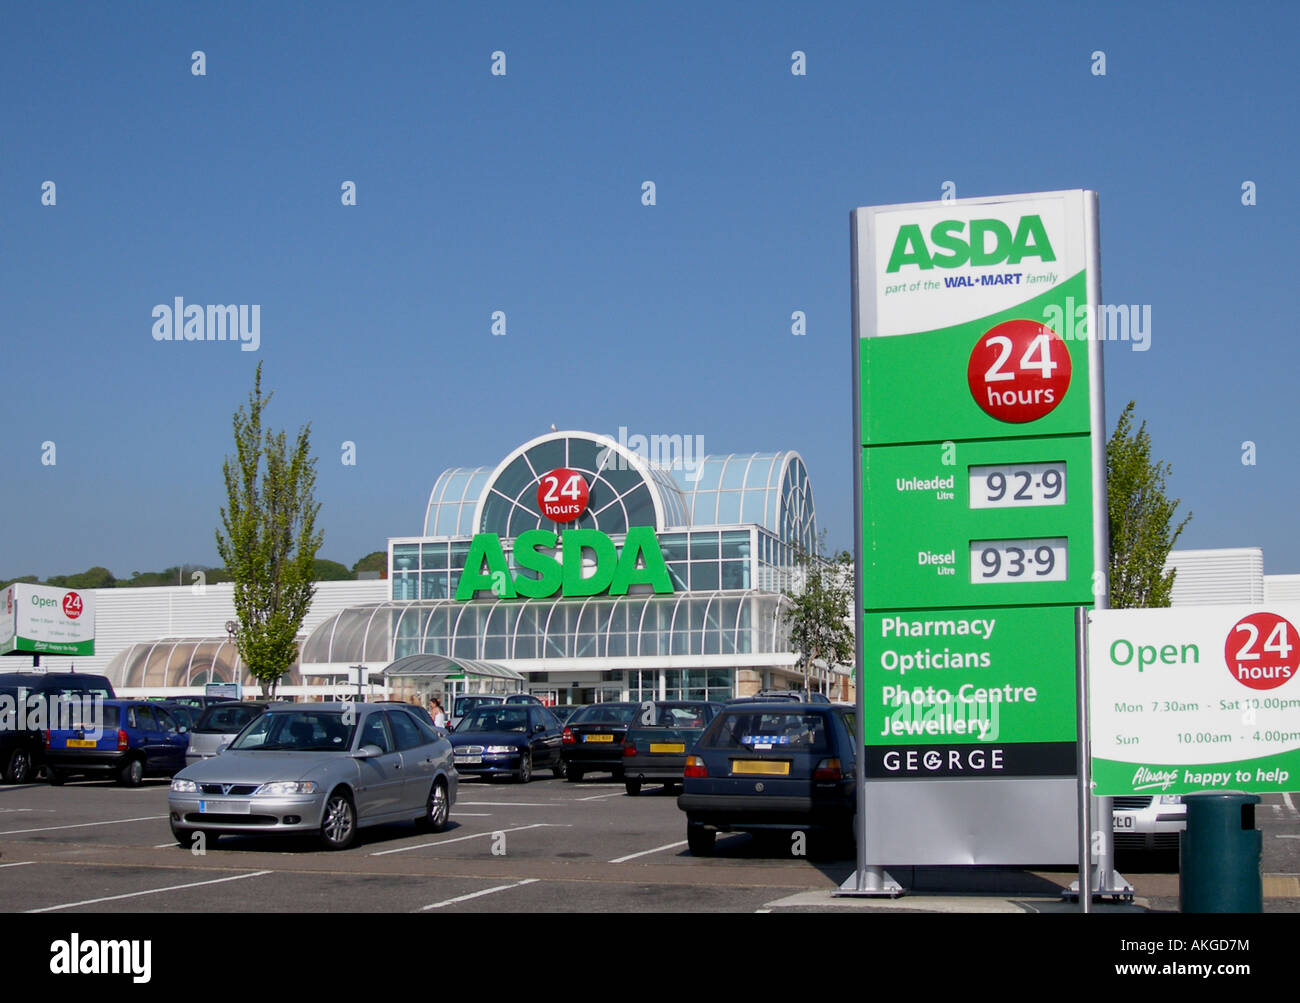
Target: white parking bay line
[
  {"x": 644, "y": 853},
  {"x": 508, "y": 804},
  {"x": 597, "y": 797},
  {"x": 473, "y": 814},
  {"x": 474, "y": 895},
  {"x": 83, "y": 825},
  {"x": 21, "y": 863},
  {"x": 477, "y": 835},
  {"x": 1290, "y": 804},
  {"x": 150, "y": 891},
  {"x": 1282, "y": 835}
]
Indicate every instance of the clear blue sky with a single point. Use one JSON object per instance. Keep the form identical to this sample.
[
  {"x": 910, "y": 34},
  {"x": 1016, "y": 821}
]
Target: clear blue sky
[{"x": 522, "y": 193}]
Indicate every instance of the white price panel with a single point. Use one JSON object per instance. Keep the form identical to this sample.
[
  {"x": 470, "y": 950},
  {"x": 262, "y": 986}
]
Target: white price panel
[
  {"x": 999, "y": 561},
  {"x": 1017, "y": 485}
]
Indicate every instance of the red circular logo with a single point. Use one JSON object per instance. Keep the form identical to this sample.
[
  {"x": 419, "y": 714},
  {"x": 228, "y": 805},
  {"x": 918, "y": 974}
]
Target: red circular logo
[
  {"x": 562, "y": 494},
  {"x": 71, "y": 605},
  {"x": 1262, "y": 651},
  {"x": 1019, "y": 371}
]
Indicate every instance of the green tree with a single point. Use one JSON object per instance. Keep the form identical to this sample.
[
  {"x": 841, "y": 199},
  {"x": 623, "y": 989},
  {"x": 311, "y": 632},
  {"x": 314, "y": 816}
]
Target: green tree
[
  {"x": 377, "y": 561},
  {"x": 329, "y": 571},
  {"x": 819, "y": 617},
  {"x": 1142, "y": 530},
  {"x": 270, "y": 541}
]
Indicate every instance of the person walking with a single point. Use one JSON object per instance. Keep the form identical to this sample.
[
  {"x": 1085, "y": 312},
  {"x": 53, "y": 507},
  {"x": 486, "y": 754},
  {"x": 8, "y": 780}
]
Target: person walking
[{"x": 437, "y": 712}]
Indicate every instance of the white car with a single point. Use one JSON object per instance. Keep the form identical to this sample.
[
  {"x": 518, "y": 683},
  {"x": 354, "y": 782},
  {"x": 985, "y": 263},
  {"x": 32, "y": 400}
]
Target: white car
[{"x": 1147, "y": 822}]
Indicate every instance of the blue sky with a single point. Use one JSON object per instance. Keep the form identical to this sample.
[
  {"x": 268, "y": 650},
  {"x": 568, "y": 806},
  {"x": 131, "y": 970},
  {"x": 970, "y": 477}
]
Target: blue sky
[{"x": 522, "y": 193}]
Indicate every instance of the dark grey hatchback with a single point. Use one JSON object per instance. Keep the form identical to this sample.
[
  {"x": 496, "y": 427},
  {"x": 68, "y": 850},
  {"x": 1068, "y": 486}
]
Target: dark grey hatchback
[{"x": 771, "y": 766}]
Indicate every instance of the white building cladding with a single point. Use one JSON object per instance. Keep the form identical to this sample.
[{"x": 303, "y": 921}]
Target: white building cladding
[{"x": 729, "y": 530}]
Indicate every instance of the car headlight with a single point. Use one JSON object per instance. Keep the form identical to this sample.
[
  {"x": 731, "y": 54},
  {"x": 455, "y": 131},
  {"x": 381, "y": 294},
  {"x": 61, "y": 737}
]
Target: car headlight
[
  {"x": 1169, "y": 799},
  {"x": 281, "y": 787},
  {"x": 500, "y": 748},
  {"x": 184, "y": 787}
]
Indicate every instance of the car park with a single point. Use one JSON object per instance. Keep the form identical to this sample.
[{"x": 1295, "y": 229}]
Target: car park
[
  {"x": 592, "y": 740},
  {"x": 771, "y": 767},
  {"x": 511, "y": 740},
  {"x": 126, "y": 739},
  {"x": 327, "y": 769},
  {"x": 658, "y": 740},
  {"x": 217, "y": 727},
  {"x": 29, "y": 702}
]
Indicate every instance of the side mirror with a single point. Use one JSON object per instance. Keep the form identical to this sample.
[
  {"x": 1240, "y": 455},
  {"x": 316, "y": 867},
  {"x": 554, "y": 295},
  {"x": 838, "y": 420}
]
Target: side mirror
[
  {"x": 368, "y": 752},
  {"x": 222, "y": 748}
]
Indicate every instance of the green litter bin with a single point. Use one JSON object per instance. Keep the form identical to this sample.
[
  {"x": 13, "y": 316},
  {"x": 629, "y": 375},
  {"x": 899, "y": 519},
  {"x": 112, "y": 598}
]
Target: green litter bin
[{"x": 1221, "y": 851}]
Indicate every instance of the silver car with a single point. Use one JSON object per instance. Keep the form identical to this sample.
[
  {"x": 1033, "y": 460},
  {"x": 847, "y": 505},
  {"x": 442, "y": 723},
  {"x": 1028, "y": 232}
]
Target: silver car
[
  {"x": 217, "y": 727},
  {"x": 328, "y": 769}
]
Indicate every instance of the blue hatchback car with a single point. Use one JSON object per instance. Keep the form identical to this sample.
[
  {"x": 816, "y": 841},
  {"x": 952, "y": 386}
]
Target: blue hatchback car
[{"x": 131, "y": 740}]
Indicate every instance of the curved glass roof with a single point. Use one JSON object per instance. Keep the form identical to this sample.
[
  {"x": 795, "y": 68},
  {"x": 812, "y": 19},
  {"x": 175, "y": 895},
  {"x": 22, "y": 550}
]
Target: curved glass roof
[
  {"x": 438, "y": 666},
  {"x": 602, "y": 627},
  {"x": 185, "y": 661},
  {"x": 623, "y": 490},
  {"x": 770, "y": 489},
  {"x": 452, "y": 501}
]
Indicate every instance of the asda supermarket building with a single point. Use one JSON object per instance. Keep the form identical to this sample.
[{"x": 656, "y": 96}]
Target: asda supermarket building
[{"x": 576, "y": 570}]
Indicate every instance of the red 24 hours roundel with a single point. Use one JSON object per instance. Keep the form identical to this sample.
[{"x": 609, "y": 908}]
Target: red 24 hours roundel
[
  {"x": 1019, "y": 371},
  {"x": 1262, "y": 650},
  {"x": 562, "y": 494},
  {"x": 71, "y": 605}
]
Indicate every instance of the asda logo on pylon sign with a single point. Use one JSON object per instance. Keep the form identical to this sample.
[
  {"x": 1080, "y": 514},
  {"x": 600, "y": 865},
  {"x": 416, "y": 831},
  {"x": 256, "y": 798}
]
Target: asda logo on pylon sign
[
  {"x": 588, "y": 564},
  {"x": 989, "y": 242}
]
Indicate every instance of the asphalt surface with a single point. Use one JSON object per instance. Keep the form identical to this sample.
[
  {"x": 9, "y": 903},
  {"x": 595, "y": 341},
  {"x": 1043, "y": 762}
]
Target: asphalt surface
[{"x": 92, "y": 846}]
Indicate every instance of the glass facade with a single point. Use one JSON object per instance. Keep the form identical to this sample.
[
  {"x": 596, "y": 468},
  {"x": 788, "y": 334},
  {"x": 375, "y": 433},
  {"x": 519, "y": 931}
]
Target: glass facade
[{"x": 730, "y": 528}]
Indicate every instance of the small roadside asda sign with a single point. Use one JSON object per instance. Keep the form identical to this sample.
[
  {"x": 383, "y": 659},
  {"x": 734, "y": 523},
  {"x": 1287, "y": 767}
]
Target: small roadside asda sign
[
  {"x": 1196, "y": 698},
  {"x": 38, "y": 619}
]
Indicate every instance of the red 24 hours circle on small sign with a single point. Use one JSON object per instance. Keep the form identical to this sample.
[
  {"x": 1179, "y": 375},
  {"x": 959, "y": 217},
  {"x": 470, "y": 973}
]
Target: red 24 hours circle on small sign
[
  {"x": 1019, "y": 371},
  {"x": 1262, "y": 651},
  {"x": 71, "y": 605}
]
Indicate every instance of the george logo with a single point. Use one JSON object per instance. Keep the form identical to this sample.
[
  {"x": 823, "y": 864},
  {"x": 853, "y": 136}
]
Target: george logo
[{"x": 990, "y": 242}]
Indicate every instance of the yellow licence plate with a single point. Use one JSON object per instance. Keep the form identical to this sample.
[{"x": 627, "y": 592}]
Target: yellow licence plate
[
  {"x": 763, "y": 767},
  {"x": 598, "y": 738},
  {"x": 667, "y": 747},
  {"x": 81, "y": 743}
]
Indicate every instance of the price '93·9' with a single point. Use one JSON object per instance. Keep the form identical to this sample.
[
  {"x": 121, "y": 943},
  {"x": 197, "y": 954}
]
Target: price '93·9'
[{"x": 1039, "y": 560}]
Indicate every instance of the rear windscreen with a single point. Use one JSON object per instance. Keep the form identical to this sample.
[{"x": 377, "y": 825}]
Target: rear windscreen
[
  {"x": 218, "y": 720},
  {"x": 609, "y": 713},
  {"x": 770, "y": 731}
]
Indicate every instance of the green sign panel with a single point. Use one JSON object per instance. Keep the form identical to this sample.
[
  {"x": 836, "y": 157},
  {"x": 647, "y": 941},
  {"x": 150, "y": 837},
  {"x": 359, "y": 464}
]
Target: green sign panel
[{"x": 979, "y": 419}]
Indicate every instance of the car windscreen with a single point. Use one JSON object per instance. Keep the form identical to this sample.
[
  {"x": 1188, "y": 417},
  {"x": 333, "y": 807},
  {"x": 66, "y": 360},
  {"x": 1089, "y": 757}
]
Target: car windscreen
[
  {"x": 498, "y": 718},
  {"x": 296, "y": 731},
  {"x": 687, "y": 715},
  {"x": 466, "y": 704},
  {"x": 225, "y": 720},
  {"x": 615, "y": 713},
  {"x": 769, "y": 730}
]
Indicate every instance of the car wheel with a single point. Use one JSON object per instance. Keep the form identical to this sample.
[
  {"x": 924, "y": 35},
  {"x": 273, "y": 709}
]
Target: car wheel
[
  {"x": 339, "y": 827},
  {"x": 19, "y": 767},
  {"x": 700, "y": 840},
  {"x": 57, "y": 778},
  {"x": 557, "y": 769},
  {"x": 633, "y": 787},
  {"x": 525, "y": 766},
  {"x": 573, "y": 773},
  {"x": 436, "y": 809},
  {"x": 132, "y": 773}
]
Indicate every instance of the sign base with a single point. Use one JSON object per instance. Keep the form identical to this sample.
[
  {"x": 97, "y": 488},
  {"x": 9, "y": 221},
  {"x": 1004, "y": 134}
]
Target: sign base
[{"x": 870, "y": 882}]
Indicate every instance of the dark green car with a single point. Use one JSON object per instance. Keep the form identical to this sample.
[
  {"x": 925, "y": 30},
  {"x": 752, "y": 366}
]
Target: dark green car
[{"x": 660, "y": 738}]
